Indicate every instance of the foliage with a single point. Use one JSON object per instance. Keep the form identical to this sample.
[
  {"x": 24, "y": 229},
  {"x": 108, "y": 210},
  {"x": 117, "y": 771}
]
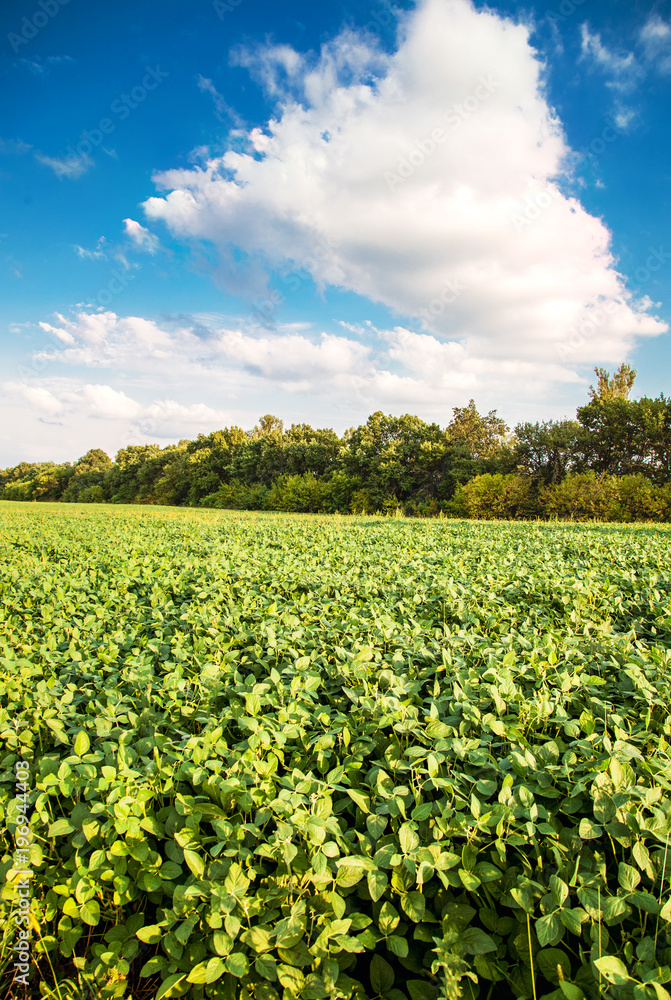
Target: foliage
[
  {"x": 389, "y": 463},
  {"x": 547, "y": 452},
  {"x": 298, "y": 758},
  {"x": 496, "y": 497},
  {"x": 615, "y": 386},
  {"x": 587, "y": 497}
]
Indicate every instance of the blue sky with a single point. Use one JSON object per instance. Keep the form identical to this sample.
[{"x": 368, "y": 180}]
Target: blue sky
[{"x": 214, "y": 211}]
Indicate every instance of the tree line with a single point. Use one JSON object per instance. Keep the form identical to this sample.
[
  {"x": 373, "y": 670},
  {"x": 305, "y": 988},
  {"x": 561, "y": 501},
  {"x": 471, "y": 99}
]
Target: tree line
[{"x": 613, "y": 462}]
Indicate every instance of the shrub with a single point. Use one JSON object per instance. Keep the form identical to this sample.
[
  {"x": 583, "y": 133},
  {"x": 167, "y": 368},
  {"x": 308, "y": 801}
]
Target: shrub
[
  {"x": 301, "y": 494},
  {"x": 237, "y": 496},
  {"x": 495, "y": 497}
]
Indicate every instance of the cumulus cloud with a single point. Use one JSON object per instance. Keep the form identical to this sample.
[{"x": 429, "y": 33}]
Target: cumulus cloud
[
  {"x": 430, "y": 180},
  {"x": 67, "y": 416},
  {"x": 294, "y": 359},
  {"x": 37, "y": 398},
  {"x": 107, "y": 403},
  {"x": 200, "y": 347},
  {"x": 105, "y": 340}
]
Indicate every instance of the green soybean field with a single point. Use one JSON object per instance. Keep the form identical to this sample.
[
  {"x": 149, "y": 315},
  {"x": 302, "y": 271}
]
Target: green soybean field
[{"x": 295, "y": 757}]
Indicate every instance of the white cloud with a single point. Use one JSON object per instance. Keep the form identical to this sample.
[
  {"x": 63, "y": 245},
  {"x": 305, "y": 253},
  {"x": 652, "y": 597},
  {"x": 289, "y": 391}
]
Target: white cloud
[
  {"x": 97, "y": 254},
  {"x": 105, "y": 340},
  {"x": 622, "y": 67},
  {"x": 294, "y": 359},
  {"x": 351, "y": 180},
  {"x": 222, "y": 108},
  {"x": 71, "y": 167},
  {"x": 42, "y": 67},
  {"x": 61, "y": 418},
  {"x": 275, "y": 66},
  {"x": 39, "y": 399},
  {"x": 140, "y": 236},
  {"x": 655, "y": 36},
  {"x": 13, "y": 147},
  {"x": 108, "y": 403}
]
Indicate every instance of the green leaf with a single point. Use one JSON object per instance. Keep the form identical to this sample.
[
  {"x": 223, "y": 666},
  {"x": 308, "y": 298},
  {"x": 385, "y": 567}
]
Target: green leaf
[
  {"x": 376, "y": 825},
  {"x": 362, "y": 801},
  {"x": 469, "y": 880},
  {"x": 408, "y": 838},
  {"x": 550, "y": 960},
  {"x": 419, "y": 989},
  {"x": 207, "y": 972},
  {"x": 151, "y": 934},
  {"x": 628, "y": 877},
  {"x": 266, "y": 967},
  {"x": 474, "y": 941},
  {"x": 155, "y": 964},
  {"x": 388, "y": 918},
  {"x": 236, "y": 882},
  {"x": 588, "y": 830},
  {"x": 174, "y": 986},
  {"x": 613, "y": 970},
  {"x": 348, "y": 876},
  {"x": 292, "y": 979},
  {"x": 413, "y": 905},
  {"x": 314, "y": 988},
  {"x": 357, "y": 861},
  {"x": 571, "y": 991},
  {"x": 236, "y": 964},
  {"x": 549, "y": 929},
  {"x": 297, "y": 955},
  {"x": 90, "y": 912},
  {"x": 573, "y": 919},
  {"x": 614, "y": 909},
  {"x": 397, "y": 945},
  {"x": 377, "y": 883},
  {"x": 258, "y": 938},
  {"x": 61, "y": 828},
  {"x": 195, "y": 862},
  {"x": 381, "y": 974},
  {"x": 487, "y": 872}
]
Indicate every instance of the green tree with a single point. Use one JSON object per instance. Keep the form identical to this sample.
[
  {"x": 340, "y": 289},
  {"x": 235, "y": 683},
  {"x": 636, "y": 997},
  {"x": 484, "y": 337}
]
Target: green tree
[
  {"x": 483, "y": 435},
  {"x": 615, "y": 386},
  {"x": 547, "y": 451}
]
